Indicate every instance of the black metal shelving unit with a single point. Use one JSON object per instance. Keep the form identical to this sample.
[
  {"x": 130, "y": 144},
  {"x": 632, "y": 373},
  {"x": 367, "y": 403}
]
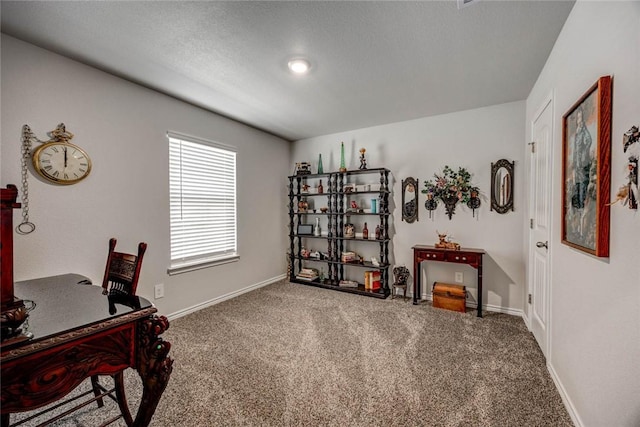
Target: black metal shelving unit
[{"x": 337, "y": 243}]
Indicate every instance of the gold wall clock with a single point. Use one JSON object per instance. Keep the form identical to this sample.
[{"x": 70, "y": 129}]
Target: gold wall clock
[{"x": 60, "y": 162}]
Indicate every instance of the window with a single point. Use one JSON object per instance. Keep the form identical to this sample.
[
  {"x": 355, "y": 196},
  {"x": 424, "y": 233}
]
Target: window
[{"x": 202, "y": 187}]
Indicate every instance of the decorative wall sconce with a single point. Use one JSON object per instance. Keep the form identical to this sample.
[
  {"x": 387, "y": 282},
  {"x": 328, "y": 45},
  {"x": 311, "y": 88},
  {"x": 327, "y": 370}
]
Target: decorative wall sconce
[
  {"x": 629, "y": 193},
  {"x": 431, "y": 204},
  {"x": 633, "y": 181},
  {"x": 630, "y": 137},
  {"x": 474, "y": 201}
]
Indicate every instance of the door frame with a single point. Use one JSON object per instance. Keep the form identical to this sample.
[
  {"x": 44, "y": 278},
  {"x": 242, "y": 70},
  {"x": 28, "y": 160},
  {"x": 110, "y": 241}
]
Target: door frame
[{"x": 547, "y": 101}]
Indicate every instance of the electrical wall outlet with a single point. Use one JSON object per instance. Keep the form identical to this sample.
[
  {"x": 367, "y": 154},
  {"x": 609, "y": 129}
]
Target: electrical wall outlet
[
  {"x": 159, "y": 291},
  {"x": 459, "y": 277}
]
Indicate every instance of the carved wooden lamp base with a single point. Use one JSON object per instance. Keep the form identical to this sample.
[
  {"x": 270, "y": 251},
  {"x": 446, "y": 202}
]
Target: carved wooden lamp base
[{"x": 12, "y": 310}]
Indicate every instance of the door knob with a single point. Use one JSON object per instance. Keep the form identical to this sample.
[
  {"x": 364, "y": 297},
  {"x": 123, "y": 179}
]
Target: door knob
[{"x": 542, "y": 245}]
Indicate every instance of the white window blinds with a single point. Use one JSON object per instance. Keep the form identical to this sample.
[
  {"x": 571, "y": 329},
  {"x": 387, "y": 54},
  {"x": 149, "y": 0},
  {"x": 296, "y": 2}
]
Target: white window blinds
[{"x": 202, "y": 189}]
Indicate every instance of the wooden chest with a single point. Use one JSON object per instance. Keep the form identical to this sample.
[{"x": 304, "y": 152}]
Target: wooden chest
[{"x": 450, "y": 297}]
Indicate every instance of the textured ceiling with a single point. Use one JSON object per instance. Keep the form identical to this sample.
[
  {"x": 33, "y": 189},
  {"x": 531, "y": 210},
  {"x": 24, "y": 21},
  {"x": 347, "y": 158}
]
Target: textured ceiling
[{"x": 372, "y": 62}]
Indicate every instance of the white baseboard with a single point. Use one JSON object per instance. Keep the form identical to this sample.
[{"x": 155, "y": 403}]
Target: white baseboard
[
  {"x": 565, "y": 397},
  {"x": 526, "y": 319},
  {"x": 225, "y": 297},
  {"x": 497, "y": 309},
  {"x": 487, "y": 307}
]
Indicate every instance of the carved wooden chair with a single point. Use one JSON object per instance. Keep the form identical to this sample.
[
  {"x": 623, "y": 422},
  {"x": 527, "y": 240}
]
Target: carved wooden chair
[
  {"x": 120, "y": 279},
  {"x": 400, "y": 278},
  {"x": 122, "y": 270}
]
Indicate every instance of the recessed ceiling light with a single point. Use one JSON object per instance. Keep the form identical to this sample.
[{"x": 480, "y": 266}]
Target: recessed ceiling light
[{"x": 299, "y": 66}]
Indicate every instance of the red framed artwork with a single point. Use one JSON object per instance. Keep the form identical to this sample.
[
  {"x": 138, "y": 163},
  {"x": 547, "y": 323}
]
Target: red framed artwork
[{"x": 586, "y": 170}]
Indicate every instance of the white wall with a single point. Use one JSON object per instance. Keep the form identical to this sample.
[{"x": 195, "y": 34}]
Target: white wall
[
  {"x": 595, "y": 321},
  {"x": 123, "y": 126},
  {"x": 419, "y": 148}
]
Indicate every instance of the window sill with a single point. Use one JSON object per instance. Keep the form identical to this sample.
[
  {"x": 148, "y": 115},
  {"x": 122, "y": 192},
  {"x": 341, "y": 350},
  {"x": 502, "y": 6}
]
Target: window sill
[{"x": 185, "y": 267}]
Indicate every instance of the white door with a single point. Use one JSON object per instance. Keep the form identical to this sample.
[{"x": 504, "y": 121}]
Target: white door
[{"x": 540, "y": 223}]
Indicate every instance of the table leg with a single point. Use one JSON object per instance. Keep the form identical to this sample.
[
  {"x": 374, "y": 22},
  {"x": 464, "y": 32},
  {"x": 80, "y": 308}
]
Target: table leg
[
  {"x": 153, "y": 365},
  {"x": 480, "y": 287},
  {"x": 416, "y": 281},
  {"x": 121, "y": 398},
  {"x": 96, "y": 390},
  {"x": 5, "y": 420}
]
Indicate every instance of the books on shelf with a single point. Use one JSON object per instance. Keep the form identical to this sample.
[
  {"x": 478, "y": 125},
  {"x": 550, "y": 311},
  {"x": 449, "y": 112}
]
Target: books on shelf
[
  {"x": 372, "y": 280},
  {"x": 307, "y": 274},
  {"x": 348, "y": 284},
  {"x": 349, "y": 257}
]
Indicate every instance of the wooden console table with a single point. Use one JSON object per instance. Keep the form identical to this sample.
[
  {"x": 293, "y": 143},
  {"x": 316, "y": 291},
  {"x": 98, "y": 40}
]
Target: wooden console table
[
  {"x": 472, "y": 257},
  {"x": 77, "y": 333}
]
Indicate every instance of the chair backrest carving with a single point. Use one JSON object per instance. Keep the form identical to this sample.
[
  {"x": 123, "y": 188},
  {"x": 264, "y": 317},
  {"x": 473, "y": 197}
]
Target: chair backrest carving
[{"x": 122, "y": 271}]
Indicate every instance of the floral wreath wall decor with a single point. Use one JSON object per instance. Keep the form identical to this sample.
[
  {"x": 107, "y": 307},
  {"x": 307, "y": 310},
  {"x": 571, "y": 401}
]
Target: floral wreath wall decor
[{"x": 451, "y": 187}]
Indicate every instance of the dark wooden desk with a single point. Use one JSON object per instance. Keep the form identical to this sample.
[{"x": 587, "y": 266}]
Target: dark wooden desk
[
  {"x": 77, "y": 333},
  {"x": 472, "y": 257}
]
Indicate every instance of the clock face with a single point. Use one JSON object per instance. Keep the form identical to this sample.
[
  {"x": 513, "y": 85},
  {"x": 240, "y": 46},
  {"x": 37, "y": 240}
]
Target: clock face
[{"x": 61, "y": 163}]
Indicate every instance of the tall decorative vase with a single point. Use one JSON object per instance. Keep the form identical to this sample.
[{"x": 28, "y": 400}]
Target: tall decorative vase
[
  {"x": 320, "y": 168},
  {"x": 316, "y": 229},
  {"x": 343, "y": 167}
]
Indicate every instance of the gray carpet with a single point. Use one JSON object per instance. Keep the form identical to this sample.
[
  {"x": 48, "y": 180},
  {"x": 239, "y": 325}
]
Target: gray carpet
[{"x": 289, "y": 355}]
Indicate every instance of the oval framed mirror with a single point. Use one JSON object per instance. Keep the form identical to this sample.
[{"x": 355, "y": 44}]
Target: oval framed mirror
[
  {"x": 502, "y": 186},
  {"x": 410, "y": 199}
]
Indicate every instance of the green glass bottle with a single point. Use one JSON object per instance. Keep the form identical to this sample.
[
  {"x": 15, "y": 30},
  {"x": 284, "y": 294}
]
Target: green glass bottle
[
  {"x": 343, "y": 168},
  {"x": 320, "y": 168}
]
